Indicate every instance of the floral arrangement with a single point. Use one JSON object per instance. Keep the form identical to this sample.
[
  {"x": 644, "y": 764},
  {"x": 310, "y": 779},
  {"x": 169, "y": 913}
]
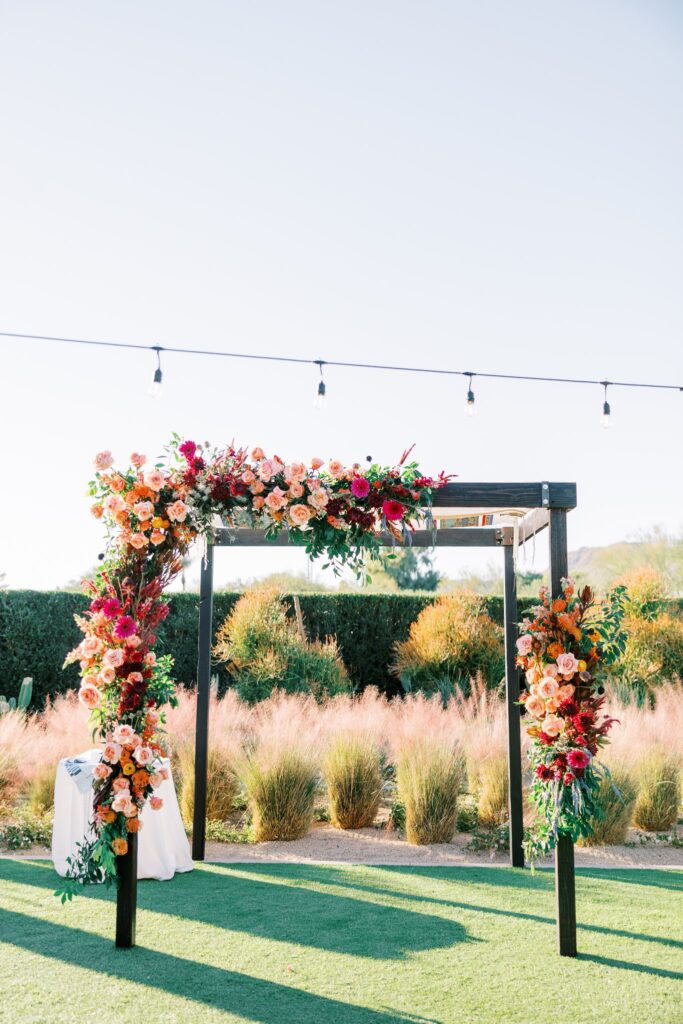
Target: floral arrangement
[
  {"x": 153, "y": 515},
  {"x": 564, "y": 650}
]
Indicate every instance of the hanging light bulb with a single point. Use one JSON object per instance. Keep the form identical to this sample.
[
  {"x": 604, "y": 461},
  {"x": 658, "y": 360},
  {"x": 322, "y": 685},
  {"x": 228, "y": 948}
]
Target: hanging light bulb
[
  {"x": 470, "y": 407},
  {"x": 155, "y": 386},
  {"x": 319, "y": 400},
  {"x": 606, "y": 411}
]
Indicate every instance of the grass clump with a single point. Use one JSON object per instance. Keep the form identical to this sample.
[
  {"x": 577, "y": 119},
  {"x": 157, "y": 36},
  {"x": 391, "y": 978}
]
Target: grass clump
[
  {"x": 450, "y": 642},
  {"x": 659, "y": 791},
  {"x": 222, "y": 784},
  {"x": 616, "y": 798},
  {"x": 492, "y": 791},
  {"x": 281, "y": 789},
  {"x": 353, "y": 774},
  {"x": 263, "y": 650},
  {"x": 428, "y": 774}
]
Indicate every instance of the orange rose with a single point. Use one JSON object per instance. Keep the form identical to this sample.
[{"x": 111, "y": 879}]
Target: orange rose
[
  {"x": 141, "y": 778},
  {"x": 97, "y": 511},
  {"x": 133, "y": 825},
  {"x": 120, "y": 847},
  {"x": 558, "y": 605},
  {"x": 555, "y": 649}
]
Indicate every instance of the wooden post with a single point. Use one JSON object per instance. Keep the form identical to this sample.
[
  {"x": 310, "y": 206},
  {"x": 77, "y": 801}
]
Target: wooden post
[
  {"x": 565, "y": 887},
  {"x": 127, "y": 894},
  {"x": 201, "y": 754},
  {"x": 513, "y": 714}
]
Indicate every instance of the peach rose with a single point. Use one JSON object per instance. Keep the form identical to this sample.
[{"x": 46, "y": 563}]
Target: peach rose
[
  {"x": 123, "y": 733},
  {"x": 257, "y": 487},
  {"x": 133, "y": 641},
  {"x": 90, "y": 696},
  {"x": 92, "y": 645},
  {"x": 565, "y": 692},
  {"x": 524, "y": 644},
  {"x": 258, "y": 454},
  {"x": 265, "y": 470},
  {"x": 103, "y": 460},
  {"x": 156, "y": 803},
  {"x": 164, "y": 773},
  {"x": 295, "y": 491},
  {"x": 154, "y": 479},
  {"x": 117, "y": 483},
  {"x": 567, "y": 664},
  {"x": 299, "y": 515},
  {"x": 121, "y": 785},
  {"x": 552, "y": 725},
  {"x": 114, "y": 503},
  {"x": 138, "y": 460},
  {"x": 258, "y": 503},
  {"x": 97, "y": 511},
  {"x": 547, "y": 687},
  {"x": 114, "y": 657},
  {"x": 138, "y": 541},
  {"x": 120, "y": 802},
  {"x": 143, "y": 755},
  {"x": 550, "y": 670},
  {"x": 535, "y": 706},
  {"x": 248, "y": 477},
  {"x": 130, "y": 810},
  {"x": 316, "y": 463},
  {"x": 119, "y": 846},
  {"x": 101, "y": 771},
  {"x": 144, "y": 510},
  {"x": 135, "y": 677},
  {"x": 295, "y": 473},
  {"x": 155, "y": 780},
  {"x": 157, "y": 537},
  {"x": 318, "y": 499},
  {"x": 275, "y": 502},
  {"x": 177, "y": 512},
  {"x": 111, "y": 752},
  {"x": 532, "y": 675}
]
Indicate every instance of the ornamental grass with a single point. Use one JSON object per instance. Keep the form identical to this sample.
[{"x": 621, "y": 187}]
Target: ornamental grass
[
  {"x": 616, "y": 798},
  {"x": 428, "y": 774},
  {"x": 353, "y": 774},
  {"x": 659, "y": 791}
]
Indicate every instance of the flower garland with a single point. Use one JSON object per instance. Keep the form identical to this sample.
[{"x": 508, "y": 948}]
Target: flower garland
[
  {"x": 564, "y": 650},
  {"x": 153, "y": 515}
]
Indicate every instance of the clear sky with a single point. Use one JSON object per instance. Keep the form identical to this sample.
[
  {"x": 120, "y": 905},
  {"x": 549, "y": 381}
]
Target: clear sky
[{"x": 487, "y": 186}]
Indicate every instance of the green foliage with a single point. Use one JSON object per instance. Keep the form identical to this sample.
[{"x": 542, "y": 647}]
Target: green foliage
[
  {"x": 218, "y": 831},
  {"x": 263, "y": 651},
  {"x": 428, "y": 775},
  {"x": 453, "y": 639},
  {"x": 659, "y": 791},
  {"x": 281, "y": 792},
  {"x": 467, "y": 817},
  {"x": 411, "y": 569},
  {"x": 496, "y": 839},
  {"x": 354, "y": 781}
]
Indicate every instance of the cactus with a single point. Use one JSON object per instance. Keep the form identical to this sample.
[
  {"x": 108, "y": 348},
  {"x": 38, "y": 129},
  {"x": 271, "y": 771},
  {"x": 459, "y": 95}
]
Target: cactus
[{"x": 22, "y": 702}]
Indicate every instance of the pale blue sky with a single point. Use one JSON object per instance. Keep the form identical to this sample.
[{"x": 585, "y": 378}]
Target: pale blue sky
[{"x": 491, "y": 186}]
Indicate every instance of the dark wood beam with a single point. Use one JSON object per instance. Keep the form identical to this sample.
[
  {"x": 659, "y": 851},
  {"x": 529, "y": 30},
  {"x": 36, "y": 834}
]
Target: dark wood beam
[
  {"x": 462, "y": 537},
  {"x": 513, "y": 495},
  {"x": 201, "y": 756},
  {"x": 515, "y": 800}
]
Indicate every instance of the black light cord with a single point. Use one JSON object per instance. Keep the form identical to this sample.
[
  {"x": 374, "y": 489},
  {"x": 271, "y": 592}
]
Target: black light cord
[{"x": 336, "y": 362}]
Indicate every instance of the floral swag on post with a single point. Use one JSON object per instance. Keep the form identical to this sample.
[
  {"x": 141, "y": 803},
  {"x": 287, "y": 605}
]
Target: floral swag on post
[
  {"x": 564, "y": 650},
  {"x": 153, "y": 516}
]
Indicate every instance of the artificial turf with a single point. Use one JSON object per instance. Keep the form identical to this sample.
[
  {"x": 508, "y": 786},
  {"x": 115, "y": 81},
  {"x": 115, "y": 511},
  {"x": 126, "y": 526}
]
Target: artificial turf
[{"x": 306, "y": 944}]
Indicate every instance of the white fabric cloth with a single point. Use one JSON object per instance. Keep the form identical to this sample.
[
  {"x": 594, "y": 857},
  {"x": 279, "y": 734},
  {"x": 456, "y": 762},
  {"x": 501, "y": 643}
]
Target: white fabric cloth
[{"x": 163, "y": 848}]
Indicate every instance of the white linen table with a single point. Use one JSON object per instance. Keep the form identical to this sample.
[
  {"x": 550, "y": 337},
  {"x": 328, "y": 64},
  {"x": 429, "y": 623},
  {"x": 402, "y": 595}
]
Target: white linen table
[{"x": 163, "y": 848}]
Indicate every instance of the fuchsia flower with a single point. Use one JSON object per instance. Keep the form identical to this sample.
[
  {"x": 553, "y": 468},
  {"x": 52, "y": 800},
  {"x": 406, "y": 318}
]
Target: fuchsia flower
[
  {"x": 360, "y": 488},
  {"x": 578, "y": 759},
  {"x": 393, "y": 510},
  {"x": 188, "y": 450},
  {"x": 111, "y": 608},
  {"x": 124, "y": 627}
]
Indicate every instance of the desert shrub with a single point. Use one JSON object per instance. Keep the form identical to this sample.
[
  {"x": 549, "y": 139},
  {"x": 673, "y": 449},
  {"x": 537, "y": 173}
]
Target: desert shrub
[
  {"x": 492, "y": 791},
  {"x": 353, "y": 774},
  {"x": 659, "y": 791},
  {"x": 428, "y": 774},
  {"x": 262, "y": 650},
  {"x": 616, "y": 799},
  {"x": 653, "y": 654},
  {"x": 221, "y": 783},
  {"x": 41, "y": 789},
  {"x": 14, "y": 755},
  {"x": 450, "y": 642},
  {"x": 281, "y": 789},
  {"x": 26, "y": 830}
]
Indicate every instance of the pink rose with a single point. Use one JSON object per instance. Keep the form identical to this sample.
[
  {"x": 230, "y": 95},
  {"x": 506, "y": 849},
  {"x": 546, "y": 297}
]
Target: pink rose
[
  {"x": 316, "y": 463},
  {"x": 114, "y": 657},
  {"x": 135, "y": 677},
  {"x": 336, "y": 467},
  {"x": 138, "y": 460},
  {"x": 567, "y": 664},
  {"x": 248, "y": 477},
  {"x": 177, "y": 512},
  {"x": 155, "y": 802},
  {"x": 92, "y": 645},
  {"x": 318, "y": 500},
  {"x": 547, "y": 687},
  {"x": 550, "y": 670},
  {"x": 143, "y": 755},
  {"x": 138, "y": 541},
  {"x": 295, "y": 491},
  {"x": 150, "y": 659},
  {"x": 114, "y": 503},
  {"x": 275, "y": 502},
  {"x": 164, "y": 773},
  {"x": 535, "y": 707},
  {"x": 154, "y": 479},
  {"x": 103, "y": 460},
  {"x": 89, "y": 696},
  {"x": 101, "y": 771},
  {"x": 120, "y": 802},
  {"x": 123, "y": 734},
  {"x": 144, "y": 510},
  {"x": 107, "y": 675},
  {"x": 265, "y": 470},
  {"x": 121, "y": 785},
  {"x": 133, "y": 641},
  {"x": 155, "y": 780},
  {"x": 552, "y": 725},
  {"x": 524, "y": 644},
  {"x": 299, "y": 514},
  {"x": 111, "y": 752}
]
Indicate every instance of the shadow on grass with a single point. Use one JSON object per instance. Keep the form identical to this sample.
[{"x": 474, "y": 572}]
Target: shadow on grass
[
  {"x": 319, "y": 875},
  {"x": 281, "y": 912},
  {"x": 670, "y": 879},
  {"x": 264, "y": 1002},
  {"x": 627, "y": 965}
]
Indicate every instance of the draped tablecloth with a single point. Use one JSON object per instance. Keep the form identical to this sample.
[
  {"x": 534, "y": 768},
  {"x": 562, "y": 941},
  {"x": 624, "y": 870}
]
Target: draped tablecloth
[{"x": 163, "y": 848}]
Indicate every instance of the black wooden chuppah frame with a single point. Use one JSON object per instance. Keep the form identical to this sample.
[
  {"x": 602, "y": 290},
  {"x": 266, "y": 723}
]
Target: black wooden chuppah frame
[{"x": 545, "y": 504}]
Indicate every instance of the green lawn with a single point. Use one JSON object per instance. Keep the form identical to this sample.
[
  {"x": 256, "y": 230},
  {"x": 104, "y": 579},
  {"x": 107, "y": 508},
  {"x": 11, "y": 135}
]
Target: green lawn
[{"x": 305, "y": 944}]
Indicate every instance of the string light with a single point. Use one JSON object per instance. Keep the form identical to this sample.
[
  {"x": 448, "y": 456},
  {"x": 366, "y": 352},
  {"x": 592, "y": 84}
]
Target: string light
[
  {"x": 606, "y": 411},
  {"x": 155, "y": 386},
  {"x": 470, "y": 407},
  {"x": 319, "y": 400}
]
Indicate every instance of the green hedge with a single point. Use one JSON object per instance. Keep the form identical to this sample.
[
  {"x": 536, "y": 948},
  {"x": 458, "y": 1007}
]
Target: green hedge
[{"x": 37, "y": 630}]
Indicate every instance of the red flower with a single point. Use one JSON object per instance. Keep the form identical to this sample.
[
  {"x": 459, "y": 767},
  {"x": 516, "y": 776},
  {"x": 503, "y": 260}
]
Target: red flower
[
  {"x": 568, "y": 779},
  {"x": 544, "y": 772},
  {"x": 583, "y": 721},
  {"x": 393, "y": 510},
  {"x": 544, "y": 738},
  {"x": 578, "y": 758},
  {"x": 124, "y": 627},
  {"x": 360, "y": 488}
]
